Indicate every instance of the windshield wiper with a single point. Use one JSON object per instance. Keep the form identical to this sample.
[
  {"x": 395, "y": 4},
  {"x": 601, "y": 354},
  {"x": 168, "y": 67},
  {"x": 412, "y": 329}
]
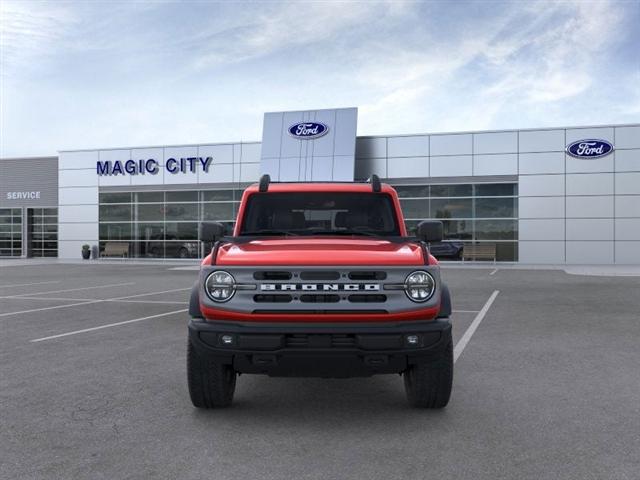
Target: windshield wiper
[{"x": 265, "y": 231}]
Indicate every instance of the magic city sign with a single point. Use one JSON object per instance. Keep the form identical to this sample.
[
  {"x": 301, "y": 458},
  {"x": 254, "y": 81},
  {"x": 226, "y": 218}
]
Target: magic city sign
[
  {"x": 589, "y": 148},
  {"x": 152, "y": 167}
]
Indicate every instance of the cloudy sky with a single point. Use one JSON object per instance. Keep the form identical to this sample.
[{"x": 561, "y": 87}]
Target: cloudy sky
[{"x": 101, "y": 74}]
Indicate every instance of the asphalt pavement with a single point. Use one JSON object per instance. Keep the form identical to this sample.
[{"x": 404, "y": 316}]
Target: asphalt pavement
[{"x": 93, "y": 385}]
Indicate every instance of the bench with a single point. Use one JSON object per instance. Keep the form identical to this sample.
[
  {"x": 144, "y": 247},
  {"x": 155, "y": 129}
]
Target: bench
[
  {"x": 115, "y": 249},
  {"x": 483, "y": 251}
]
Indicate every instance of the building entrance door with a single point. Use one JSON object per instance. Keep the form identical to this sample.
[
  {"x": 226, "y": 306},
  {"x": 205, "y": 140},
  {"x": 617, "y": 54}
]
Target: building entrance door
[{"x": 42, "y": 232}]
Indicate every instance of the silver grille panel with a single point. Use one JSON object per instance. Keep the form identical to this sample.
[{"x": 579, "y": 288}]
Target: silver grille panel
[{"x": 327, "y": 290}]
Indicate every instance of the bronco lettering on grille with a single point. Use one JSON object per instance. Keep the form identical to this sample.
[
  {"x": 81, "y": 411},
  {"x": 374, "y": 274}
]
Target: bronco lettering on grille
[{"x": 322, "y": 287}]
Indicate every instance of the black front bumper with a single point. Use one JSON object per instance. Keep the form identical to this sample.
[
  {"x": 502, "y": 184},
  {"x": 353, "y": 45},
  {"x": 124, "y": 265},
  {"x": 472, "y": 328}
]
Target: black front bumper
[{"x": 320, "y": 350}]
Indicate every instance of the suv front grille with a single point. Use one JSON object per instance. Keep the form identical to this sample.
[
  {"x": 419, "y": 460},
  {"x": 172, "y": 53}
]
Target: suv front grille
[{"x": 320, "y": 290}]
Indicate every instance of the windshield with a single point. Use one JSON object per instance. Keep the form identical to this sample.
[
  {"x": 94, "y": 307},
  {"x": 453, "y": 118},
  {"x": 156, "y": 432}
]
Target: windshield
[{"x": 321, "y": 213}]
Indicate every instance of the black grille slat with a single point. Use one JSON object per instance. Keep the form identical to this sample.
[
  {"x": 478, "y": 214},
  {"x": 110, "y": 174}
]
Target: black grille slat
[
  {"x": 319, "y": 298},
  {"x": 319, "y": 275},
  {"x": 272, "y": 298},
  {"x": 373, "y": 298},
  {"x": 271, "y": 275},
  {"x": 367, "y": 275}
]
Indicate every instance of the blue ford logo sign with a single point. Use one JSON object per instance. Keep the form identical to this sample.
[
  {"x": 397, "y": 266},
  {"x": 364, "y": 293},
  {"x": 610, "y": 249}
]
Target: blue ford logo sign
[
  {"x": 308, "y": 130},
  {"x": 589, "y": 148}
]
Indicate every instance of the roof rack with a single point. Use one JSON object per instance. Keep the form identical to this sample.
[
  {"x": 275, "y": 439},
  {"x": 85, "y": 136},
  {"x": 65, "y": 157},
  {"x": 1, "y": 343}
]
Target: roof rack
[{"x": 265, "y": 181}]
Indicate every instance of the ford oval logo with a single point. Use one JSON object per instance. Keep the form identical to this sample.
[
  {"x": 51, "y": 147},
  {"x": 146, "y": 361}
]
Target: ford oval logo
[
  {"x": 589, "y": 148},
  {"x": 308, "y": 130}
]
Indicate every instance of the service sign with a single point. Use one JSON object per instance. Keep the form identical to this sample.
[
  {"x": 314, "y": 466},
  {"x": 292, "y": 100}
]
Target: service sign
[
  {"x": 308, "y": 130},
  {"x": 23, "y": 195},
  {"x": 589, "y": 149}
]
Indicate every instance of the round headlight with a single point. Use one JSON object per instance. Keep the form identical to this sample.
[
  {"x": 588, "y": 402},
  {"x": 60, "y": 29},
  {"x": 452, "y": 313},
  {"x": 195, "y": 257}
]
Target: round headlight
[
  {"x": 220, "y": 286},
  {"x": 419, "y": 286}
]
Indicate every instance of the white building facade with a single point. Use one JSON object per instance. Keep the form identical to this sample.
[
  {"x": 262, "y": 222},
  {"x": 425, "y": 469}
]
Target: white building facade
[{"x": 519, "y": 190}]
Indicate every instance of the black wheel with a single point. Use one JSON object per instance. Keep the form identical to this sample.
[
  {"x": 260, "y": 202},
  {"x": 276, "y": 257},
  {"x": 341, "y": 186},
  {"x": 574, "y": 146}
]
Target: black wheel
[
  {"x": 183, "y": 253},
  {"x": 445, "y": 302},
  {"x": 211, "y": 384},
  {"x": 155, "y": 252},
  {"x": 194, "y": 303},
  {"x": 428, "y": 383}
]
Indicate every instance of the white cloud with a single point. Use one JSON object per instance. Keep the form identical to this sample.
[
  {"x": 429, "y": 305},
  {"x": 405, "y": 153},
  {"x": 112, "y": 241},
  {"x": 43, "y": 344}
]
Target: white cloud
[
  {"x": 156, "y": 72},
  {"x": 29, "y": 30}
]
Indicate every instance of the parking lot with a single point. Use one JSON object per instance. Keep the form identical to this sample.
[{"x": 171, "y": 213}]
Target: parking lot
[{"x": 93, "y": 385}]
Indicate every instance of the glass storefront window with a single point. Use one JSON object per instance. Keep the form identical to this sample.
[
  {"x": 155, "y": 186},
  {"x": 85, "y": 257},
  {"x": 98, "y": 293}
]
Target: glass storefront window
[
  {"x": 187, "y": 196},
  {"x": 496, "y": 207},
  {"x": 496, "y": 229},
  {"x": 181, "y": 231},
  {"x": 217, "y": 195},
  {"x": 149, "y": 213},
  {"x": 115, "y": 198},
  {"x": 217, "y": 211},
  {"x": 451, "y": 208},
  {"x": 468, "y": 212},
  {"x": 415, "y": 209},
  {"x": 115, "y": 231},
  {"x": 464, "y": 190},
  {"x": 412, "y": 191},
  {"x": 150, "y": 231},
  {"x": 150, "y": 197},
  {"x": 181, "y": 211},
  {"x": 457, "y": 229},
  {"x": 115, "y": 213},
  {"x": 496, "y": 189},
  {"x": 10, "y": 232},
  {"x": 42, "y": 228},
  {"x": 161, "y": 224},
  {"x": 165, "y": 224}
]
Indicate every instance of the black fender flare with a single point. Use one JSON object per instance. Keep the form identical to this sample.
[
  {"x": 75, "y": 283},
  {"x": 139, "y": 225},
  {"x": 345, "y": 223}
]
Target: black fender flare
[
  {"x": 194, "y": 301},
  {"x": 445, "y": 302}
]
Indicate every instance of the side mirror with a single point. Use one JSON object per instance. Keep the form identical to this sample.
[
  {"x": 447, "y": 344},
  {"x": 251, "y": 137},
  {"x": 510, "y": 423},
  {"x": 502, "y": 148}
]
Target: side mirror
[
  {"x": 211, "y": 231},
  {"x": 430, "y": 231}
]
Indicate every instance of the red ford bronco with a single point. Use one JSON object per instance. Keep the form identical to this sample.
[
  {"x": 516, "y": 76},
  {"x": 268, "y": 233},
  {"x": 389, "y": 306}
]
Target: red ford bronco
[{"x": 320, "y": 279}]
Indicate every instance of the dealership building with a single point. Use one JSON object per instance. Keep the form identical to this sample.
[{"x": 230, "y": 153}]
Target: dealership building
[{"x": 546, "y": 196}]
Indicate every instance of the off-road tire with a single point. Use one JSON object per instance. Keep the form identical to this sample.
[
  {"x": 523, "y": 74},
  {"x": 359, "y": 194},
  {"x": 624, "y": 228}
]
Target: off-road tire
[
  {"x": 445, "y": 302},
  {"x": 211, "y": 384},
  {"x": 428, "y": 383},
  {"x": 194, "y": 302}
]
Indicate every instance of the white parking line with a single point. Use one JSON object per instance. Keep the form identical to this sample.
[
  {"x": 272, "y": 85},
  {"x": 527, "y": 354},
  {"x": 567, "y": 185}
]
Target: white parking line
[
  {"x": 148, "y": 301},
  {"x": 67, "y": 299},
  {"x": 49, "y": 308},
  {"x": 462, "y": 343},
  {"x": 152, "y": 293},
  {"x": 465, "y": 311},
  {"x": 71, "y": 289},
  {"x": 28, "y": 284},
  {"x": 88, "y": 302},
  {"x": 107, "y": 326},
  {"x": 59, "y": 299},
  {"x": 494, "y": 271}
]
